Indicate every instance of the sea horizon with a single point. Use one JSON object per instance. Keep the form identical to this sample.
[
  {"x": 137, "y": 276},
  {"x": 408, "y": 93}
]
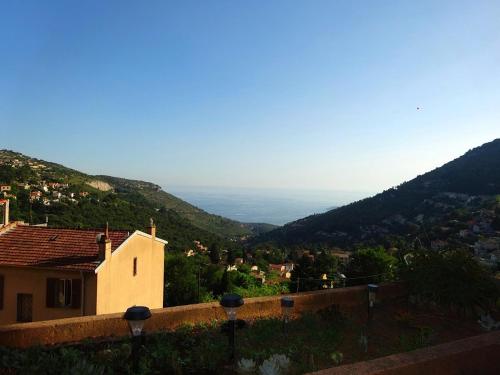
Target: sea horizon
[{"x": 264, "y": 205}]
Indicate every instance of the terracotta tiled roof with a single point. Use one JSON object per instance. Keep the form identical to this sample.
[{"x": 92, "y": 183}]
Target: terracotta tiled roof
[{"x": 71, "y": 249}]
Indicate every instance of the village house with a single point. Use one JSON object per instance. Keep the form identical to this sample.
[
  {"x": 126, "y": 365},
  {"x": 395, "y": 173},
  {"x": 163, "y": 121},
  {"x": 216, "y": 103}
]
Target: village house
[
  {"x": 35, "y": 195},
  {"x": 4, "y": 188},
  {"x": 49, "y": 273},
  {"x": 343, "y": 257}
]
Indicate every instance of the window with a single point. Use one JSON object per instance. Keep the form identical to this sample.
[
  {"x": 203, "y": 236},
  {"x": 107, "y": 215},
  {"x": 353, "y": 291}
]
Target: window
[
  {"x": 135, "y": 266},
  {"x": 63, "y": 292}
]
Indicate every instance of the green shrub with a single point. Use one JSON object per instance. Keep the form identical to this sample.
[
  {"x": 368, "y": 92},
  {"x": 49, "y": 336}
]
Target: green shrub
[{"x": 450, "y": 278}]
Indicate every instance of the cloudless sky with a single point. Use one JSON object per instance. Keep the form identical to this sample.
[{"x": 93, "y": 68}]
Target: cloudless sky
[{"x": 269, "y": 94}]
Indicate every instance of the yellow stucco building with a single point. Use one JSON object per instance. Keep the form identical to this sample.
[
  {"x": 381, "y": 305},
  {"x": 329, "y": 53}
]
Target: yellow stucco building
[{"x": 50, "y": 273}]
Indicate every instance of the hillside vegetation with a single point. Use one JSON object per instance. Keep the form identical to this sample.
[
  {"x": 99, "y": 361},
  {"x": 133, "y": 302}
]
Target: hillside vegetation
[
  {"x": 81, "y": 200},
  {"x": 455, "y": 204}
]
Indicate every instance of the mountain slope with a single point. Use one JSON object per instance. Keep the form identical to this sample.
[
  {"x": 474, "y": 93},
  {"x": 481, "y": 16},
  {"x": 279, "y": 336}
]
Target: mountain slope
[
  {"x": 89, "y": 201},
  {"x": 449, "y": 194}
]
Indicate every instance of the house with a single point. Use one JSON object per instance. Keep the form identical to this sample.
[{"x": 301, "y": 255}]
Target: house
[
  {"x": 284, "y": 270},
  {"x": 343, "y": 257},
  {"x": 49, "y": 273},
  {"x": 84, "y": 194},
  {"x": 239, "y": 261},
  {"x": 277, "y": 267},
  {"x": 56, "y": 194},
  {"x": 4, "y": 188},
  {"x": 35, "y": 195}
]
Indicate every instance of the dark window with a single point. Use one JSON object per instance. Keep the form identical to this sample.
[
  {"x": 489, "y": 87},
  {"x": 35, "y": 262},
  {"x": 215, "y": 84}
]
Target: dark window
[
  {"x": 1, "y": 291},
  {"x": 63, "y": 292},
  {"x": 135, "y": 266},
  {"x": 24, "y": 307}
]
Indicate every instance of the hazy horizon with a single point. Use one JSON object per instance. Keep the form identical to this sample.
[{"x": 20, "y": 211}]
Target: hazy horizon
[{"x": 272, "y": 206}]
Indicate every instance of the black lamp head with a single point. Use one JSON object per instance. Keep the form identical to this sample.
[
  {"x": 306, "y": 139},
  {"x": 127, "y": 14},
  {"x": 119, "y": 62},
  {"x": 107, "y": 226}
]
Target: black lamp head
[
  {"x": 287, "y": 302},
  {"x": 136, "y": 316},
  {"x": 137, "y": 313},
  {"x": 231, "y": 300}
]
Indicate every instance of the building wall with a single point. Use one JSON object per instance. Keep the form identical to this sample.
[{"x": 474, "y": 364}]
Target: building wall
[
  {"x": 118, "y": 288},
  {"x": 34, "y": 281}
]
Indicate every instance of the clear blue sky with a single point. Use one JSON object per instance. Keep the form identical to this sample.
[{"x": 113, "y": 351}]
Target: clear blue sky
[{"x": 271, "y": 94}]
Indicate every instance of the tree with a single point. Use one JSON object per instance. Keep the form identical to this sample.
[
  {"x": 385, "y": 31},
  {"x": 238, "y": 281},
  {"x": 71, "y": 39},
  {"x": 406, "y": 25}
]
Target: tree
[
  {"x": 449, "y": 278},
  {"x": 230, "y": 257},
  {"x": 371, "y": 265},
  {"x": 214, "y": 253},
  {"x": 181, "y": 284},
  {"x": 326, "y": 264}
]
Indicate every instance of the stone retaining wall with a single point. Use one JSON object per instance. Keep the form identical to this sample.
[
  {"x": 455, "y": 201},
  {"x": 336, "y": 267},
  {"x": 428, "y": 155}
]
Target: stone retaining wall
[
  {"x": 60, "y": 331},
  {"x": 473, "y": 355}
]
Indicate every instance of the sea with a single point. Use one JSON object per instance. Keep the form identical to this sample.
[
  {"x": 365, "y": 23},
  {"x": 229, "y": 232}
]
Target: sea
[{"x": 272, "y": 206}]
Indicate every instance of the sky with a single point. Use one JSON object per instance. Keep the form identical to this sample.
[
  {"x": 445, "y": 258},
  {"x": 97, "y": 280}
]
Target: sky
[{"x": 255, "y": 94}]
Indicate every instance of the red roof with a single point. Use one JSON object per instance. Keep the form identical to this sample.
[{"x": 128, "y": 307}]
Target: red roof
[{"x": 70, "y": 249}]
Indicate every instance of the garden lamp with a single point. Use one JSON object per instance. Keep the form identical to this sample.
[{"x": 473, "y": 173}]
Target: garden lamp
[
  {"x": 287, "y": 307},
  {"x": 343, "y": 278},
  {"x": 136, "y": 316},
  {"x": 231, "y": 303},
  {"x": 372, "y": 294}
]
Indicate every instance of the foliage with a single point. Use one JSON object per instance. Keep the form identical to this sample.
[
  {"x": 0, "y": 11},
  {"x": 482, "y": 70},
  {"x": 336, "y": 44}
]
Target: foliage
[
  {"x": 181, "y": 283},
  {"x": 308, "y": 271},
  {"x": 422, "y": 338},
  {"x": 214, "y": 253},
  {"x": 371, "y": 265},
  {"x": 450, "y": 278},
  {"x": 200, "y": 349}
]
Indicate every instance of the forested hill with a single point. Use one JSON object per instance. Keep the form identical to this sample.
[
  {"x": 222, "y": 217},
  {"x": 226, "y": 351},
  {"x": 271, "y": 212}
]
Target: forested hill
[
  {"x": 71, "y": 198},
  {"x": 434, "y": 206}
]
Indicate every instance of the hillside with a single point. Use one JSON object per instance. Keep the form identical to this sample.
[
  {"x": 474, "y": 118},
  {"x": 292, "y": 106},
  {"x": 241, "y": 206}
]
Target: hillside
[
  {"x": 451, "y": 205},
  {"x": 71, "y": 198}
]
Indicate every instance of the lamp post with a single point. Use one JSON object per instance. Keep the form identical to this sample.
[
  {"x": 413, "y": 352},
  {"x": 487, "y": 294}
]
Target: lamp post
[
  {"x": 136, "y": 316},
  {"x": 372, "y": 298},
  {"x": 286, "y": 310},
  {"x": 231, "y": 303}
]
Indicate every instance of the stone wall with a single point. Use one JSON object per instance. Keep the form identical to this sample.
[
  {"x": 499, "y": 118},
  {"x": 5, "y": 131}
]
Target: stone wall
[
  {"x": 59, "y": 331},
  {"x": 473, "y": 355}
]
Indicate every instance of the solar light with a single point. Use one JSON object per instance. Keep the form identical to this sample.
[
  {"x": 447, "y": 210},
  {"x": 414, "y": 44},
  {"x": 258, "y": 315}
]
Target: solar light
[
  {"x": 231, "y": 303},
  {"x": 372, "y": 294},
  {"x": 136, "y": 316},
  {"x": 343, "y": 278},
  {"x": 287, "y": 307}
]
